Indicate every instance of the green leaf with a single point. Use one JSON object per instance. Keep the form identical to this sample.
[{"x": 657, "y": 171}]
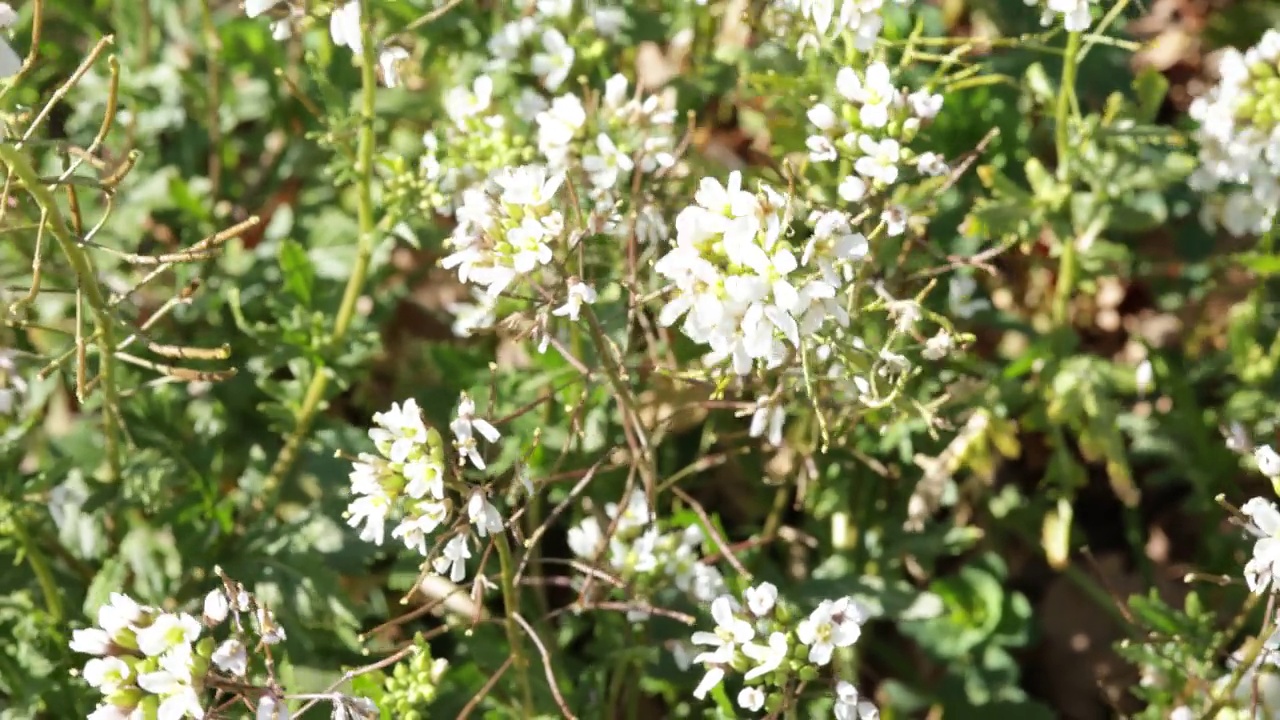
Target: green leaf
[
  {"x": 109, "y": 579},
  {"x": 299, "y": 273}
]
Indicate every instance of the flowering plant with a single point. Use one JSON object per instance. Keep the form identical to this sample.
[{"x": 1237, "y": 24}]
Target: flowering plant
[{"x": 559, "y": 358}]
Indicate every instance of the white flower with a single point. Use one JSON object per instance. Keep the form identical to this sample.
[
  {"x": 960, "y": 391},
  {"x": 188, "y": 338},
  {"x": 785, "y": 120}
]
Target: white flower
[
  {"x": 269, "y": 708},
  {"x": 768, "y": 657},
  {"x": 751, "y": 698},
  {"x": 1076, "y": 17},
  {"x": 851, "y": 707},
  {"x": 605, "y": 167},
  {"x": 453, "y": 558},
  {"x": 585, "y": 538},
  {"x": 463, "y": 427},
  {"x": 852, "y": 189},
  {"x": 254, "y": 8},
  {"x": 557, "y": 126},
  {"x": 895, "y": 219},
  {"x": 1261, "y": 571},
  {"x": 400, "y": 430},
  {"x": 825, "y": 630},
  {"x": 937, "y": 347},
  {"x": 768, "y": 416},
  {"x": 931, "y": 164},
  {"x": 269, "y": 630},
  {"x": 609, "y": 21},
  {"x": 371, "y": 511},
  {"x": 483, "y": 515},
  {"x": 874, "y": 93},
  {"x": 731, "y": 631},
  {"x": 1143, "y": 376},
  {"x": 579, "y": 293},
  {"x": 388, "y": 59},
  {"x": 761, "y": 598},
  {"x": 1268, "y": 461},
  {"x": 215, "y": 607},
  {"x": 823, "y": 116},
  {"x": 635, "y": 515},
  {"x": 281, "y": 30},
  {"x": 880, "y": 159},
  {"x": 107, "y": 674},
  {"x": 425, "y": 477},
  {"x": 711, "y": 679},
  {"x": 91, "y": 641},
  {"x": 413, "y": 530},
  {"x": 231, "y": 657},
  {"x": 344, "y": 26},
  {"x": 925, "y": 105},
  {"x": 166, "y": 632},
  {"x": 553, "y": 63},
  {"x": 120, "y": 613},
  {"x": 960, "y": 300},
  {"x": 555, "y": 8},
  {"x": 461, "y": 103},
  {"x": 821, "y": 149}
]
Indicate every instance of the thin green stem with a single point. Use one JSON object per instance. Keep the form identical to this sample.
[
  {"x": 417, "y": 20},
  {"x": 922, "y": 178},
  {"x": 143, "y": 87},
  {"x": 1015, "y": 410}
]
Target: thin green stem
[
  {"x": 314, "y": 395},
  {"x": 1247, "y": 663},
  {"x": 511, "y": 602},
  {"x": 636, "y": 436},
  {"x": 1067, "y": 260},
  {"x": 87, "y": 281},
  {"x": 40, "y": 566}
]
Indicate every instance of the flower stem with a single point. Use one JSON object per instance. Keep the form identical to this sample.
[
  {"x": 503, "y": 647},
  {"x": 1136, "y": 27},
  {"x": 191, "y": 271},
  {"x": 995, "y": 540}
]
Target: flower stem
[
  {"x": 1067, "y": 261},
  {"x": 19, "y": 164},
  {"x": 511, "y": 602},
  {"x": 314, "y": 395}
]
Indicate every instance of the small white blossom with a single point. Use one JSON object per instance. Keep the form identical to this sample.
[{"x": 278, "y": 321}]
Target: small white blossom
[
  {"x": 579, "y": 293},
  {"x": 388, "y": 60},
  {"x": 849, "y": 706},
  {"x": 768, "y": 657},
  {"x": 464, "y": 428},
  {"x": 825, "y": 630},
  {"x": 231, "y": 657},
  {"x": 1268, "y": 461},
  {"x": 215, "y": 607},
  {"x": 768, "y": 417},
  {"x": 751, "y": 698},
  {"x": 483, "y": 515},
  {"x": 453, "y": 558},
  {"x": 761, "y": 598},
  {"x": 553, "y": 63},
  {"x": 344, "y": 26}
]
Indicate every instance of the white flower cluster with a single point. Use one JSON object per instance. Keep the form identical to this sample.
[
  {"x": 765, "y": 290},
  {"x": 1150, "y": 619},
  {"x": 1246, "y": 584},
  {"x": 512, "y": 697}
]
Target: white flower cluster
[
  {"x": 863, "y": 19},
  {"x": 646, "y": 557},
  {"x": 739, "y": 284},
  {"x": 540, "y": 37},
  {"x": 783, "y": 650},
  {"x": 506, "y": 230},
  {"x": 871, "y": 123},
  {"x": 408, "y": 480},
  {"x": 1076, "y": 16},
  {"x": 1239, "y": 138},
  {"x": 153, "y": 665},
  {"x": 631, "y": 132}
]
